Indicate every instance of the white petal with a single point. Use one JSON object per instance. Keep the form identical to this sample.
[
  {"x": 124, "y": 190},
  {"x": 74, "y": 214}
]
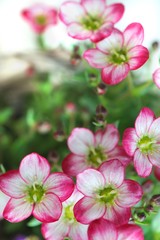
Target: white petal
[
  {"x": 34, "y": 168},
  {"x": 90, "y": 181},
  {"x": 71, "y": 12},
  {"x": 80, "y": 140}
]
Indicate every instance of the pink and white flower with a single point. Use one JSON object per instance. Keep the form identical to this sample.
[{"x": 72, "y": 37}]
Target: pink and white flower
[
  {"x": 3, "y": 202},
  {"x": 40, "y": 17},
  {"x": 67, "y": 225},
  {"x": 156, "y": 77},
  {"x": 33, "y": 190},
  {"x": 102, "y": 229},
  {"x": 105, "y": 230},
  {"x": 90, "y": 150},
  {"x": 143, "y": 142},
  {"x": 91, "y": 19},
  {"x": 118, "y": 54},
  {"x": 106, "y": 194},
  {"x": 130, "y": 232}
]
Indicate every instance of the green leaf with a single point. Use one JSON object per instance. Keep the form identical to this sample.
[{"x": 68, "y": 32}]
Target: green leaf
[{"x": 5, "y": 115}]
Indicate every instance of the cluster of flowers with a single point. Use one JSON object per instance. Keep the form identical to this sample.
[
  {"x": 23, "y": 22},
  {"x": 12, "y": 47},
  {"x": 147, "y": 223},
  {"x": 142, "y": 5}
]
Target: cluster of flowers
[{"x": 98, "y": 205}]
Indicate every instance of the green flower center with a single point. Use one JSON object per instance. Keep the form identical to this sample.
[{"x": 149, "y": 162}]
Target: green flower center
[
  {"x": 119, "y": 56},
  {"x": 35, "y": 193},
  {"x": 68, "y": 214},
  {"x": 41, "y": 19},
  {"x": 146, "y": 144},
  {"x": 107, "y": 195},
  {"x": 92, "y": 22},
  {"x": 96, "y": 156}
]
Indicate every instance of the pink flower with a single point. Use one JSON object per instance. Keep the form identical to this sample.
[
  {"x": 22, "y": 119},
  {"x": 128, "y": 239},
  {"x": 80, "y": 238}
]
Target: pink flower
[
  {"x": 40, "y": 17},
  {"x": 143, "y": 142},
  {"x": 130, "y": 232},
  {"x": 156, "y": 77},
  {"x": 67, "y": 225},
  {"x": 90, "y": 18},
  {"x": 105, "y": 230},
  {"x": 90, "y": 150},
  {"x": 106, "y": 194},
  {"x": 118, "y": 54},
  {"x": 3, "y": 202},
  {"x": 33, "y": 190},
  {"x": 102, "y": 229}
]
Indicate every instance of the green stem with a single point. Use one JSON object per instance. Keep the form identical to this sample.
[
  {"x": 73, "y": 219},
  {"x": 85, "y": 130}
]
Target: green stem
[{"x": 40, "y": 42}]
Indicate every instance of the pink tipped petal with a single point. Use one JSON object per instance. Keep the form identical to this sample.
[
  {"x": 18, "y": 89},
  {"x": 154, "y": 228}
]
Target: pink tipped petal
[
  {"x": 107, "y": 138},
  {"x": 74, "y": 164},
  {"x": 3, "y": 202},
  {"x": 130, "y": 232},
  {"x": 78, "y": 231},
  {"x": 114, "y": 41},
  {"x": 154, "y": 157},
  {"x": 104, "y": 31},
  {"x": 49, "y": 209},
  {"x": 119, "y": 153},
  {"x": 142, "y": 164},
  {"x": 71, "y": 12},
  {"x": 129, "y": 194},
  {"x": 76, "y": 30},
  {"x": 12, "y": 184},
  {"x": 95, "y": 58},
  {"x": 133, "y": 35},
  {"x": 37, "y": 167},
  {"x": 87, "y": 209},
  {"x": 89, "y": 181},
  {"x": 94, "y": 7},
  {"x": 102, "y": 229},
  {"x": 129, "y": 141},
  {"x": 59, "y": 184},
  {"x": 80, "y": 140},
  {"x": 17, "y": 210},
  {"x": 154, "y": 130},
  {"x": 114, "y": 12},
  {"x": 144, "y": 121},
  {"x": 118, "y": 215},
  {"x": 137, "y": 55},
  {"x": 116, "y": 74},
  {"x": 113, "y": 172},
  {"x": 156, "y": 77},
  {"x": 57, "y": 229}
]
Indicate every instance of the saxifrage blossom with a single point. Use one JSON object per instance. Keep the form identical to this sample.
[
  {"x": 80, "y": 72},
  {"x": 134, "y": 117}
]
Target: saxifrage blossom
[
  {"x": 33, "y": 190},
  {"x": 40, "y": 17},
  {"x": 143, "y": 142},
  {"x": 102, "y": 229},
  {"x": 3, "y": 202},
  {"x": 90, "y": 150},
  {"x": 106, "y": 194},
  {"x": 67, "y": 226},
  {"x": 90, "y": 19},
  {"x": 156, "y": 77},
  {"x": 118, "y": 54}
]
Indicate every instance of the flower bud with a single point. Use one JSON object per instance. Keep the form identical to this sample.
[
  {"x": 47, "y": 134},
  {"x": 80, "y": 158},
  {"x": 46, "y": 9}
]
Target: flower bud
[
  {"x": 101, "y": 89},
  {"x": 155, "y": 199}
]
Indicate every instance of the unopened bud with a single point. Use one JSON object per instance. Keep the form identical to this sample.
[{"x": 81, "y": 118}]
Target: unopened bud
[
  {"x": 149, "y": 208},
  {"x": 101, "y": 89},
  {"x": 101, "y": 110},
  {"x": 139, "y": 216},
  {"x": 59, "y": 135},
  {"x": 43, "y": 127},
  {"x": 155, "y": 199},
  {"x": 53, "y": 157}
]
